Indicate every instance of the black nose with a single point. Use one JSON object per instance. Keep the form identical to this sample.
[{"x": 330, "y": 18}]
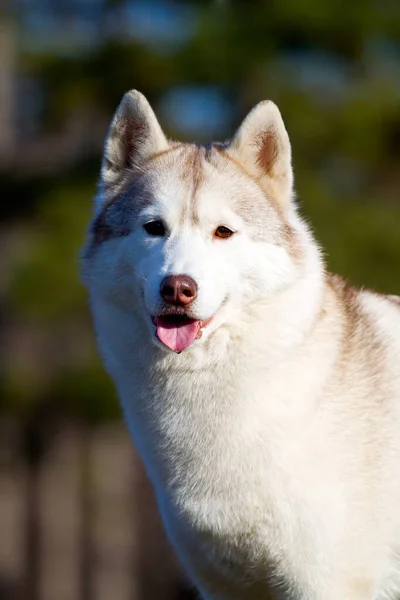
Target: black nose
[{"x": 179, "y": 290}]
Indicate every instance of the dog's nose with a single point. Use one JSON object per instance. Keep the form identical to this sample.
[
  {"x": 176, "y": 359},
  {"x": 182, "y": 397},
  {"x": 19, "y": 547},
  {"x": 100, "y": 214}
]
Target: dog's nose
[{"x": 179, "y": 290}]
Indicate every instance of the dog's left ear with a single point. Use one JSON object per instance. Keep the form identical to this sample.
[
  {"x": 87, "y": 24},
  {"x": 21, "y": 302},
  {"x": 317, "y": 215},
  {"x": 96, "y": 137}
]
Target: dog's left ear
[{"x": 262, "y": 146}]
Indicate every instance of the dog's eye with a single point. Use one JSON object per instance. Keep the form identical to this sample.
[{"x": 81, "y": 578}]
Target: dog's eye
[
  {"x": 223, "y": 232},
  {"x": 155, "y": 228}
]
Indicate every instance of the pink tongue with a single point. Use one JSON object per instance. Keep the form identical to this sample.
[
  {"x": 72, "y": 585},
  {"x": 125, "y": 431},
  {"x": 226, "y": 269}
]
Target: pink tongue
[{"x": 178, "y": 337}]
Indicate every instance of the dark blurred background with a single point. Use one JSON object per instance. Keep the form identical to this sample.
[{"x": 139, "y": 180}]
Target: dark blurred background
[{"x": 77, "y": 516}]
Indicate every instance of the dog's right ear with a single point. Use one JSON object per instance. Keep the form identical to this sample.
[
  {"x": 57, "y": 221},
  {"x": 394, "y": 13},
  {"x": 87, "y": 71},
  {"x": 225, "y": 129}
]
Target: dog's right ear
[{"x": 133, "y": 137}]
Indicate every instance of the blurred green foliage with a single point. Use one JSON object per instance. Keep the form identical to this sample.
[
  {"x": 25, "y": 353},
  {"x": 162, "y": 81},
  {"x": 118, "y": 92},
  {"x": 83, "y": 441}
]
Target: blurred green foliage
[{"x": 333, "y": 69}]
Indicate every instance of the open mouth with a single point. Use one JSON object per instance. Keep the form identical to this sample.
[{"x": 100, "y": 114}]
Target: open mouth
[{"x": 178, "y": 331}]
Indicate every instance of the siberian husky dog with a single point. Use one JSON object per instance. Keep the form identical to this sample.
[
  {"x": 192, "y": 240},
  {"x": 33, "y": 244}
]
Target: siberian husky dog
[{"x": 262, "y": 392}]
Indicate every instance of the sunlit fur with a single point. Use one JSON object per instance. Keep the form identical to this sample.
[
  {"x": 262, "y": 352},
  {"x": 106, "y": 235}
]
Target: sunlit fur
[{"x": 273, "y": 441}]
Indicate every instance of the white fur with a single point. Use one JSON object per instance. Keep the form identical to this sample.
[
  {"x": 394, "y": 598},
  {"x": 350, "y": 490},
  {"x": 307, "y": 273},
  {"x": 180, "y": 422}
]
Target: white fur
[{"x": 273, "y": 453}]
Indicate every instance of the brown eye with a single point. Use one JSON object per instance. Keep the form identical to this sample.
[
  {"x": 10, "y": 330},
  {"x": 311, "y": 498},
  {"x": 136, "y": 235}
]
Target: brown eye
[
  {"x": 223, "y": 232},
  {"x": 155, "y": 228}
]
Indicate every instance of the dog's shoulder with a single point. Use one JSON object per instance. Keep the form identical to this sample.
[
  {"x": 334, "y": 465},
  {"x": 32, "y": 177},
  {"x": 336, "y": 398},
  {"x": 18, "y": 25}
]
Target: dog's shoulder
[{"x": 370, "y": 326}]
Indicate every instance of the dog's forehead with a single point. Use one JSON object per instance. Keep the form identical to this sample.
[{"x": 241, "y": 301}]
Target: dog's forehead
[
  {"x": 188, "y": 167},
  {"x": 204, "y": 179}
]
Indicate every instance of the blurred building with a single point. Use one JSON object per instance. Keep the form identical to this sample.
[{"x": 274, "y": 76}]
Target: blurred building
[{"x": 8, "y": 74}]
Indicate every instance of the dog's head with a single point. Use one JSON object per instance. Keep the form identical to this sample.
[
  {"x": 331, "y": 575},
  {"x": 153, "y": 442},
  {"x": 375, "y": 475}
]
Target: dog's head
[{"x": 188, "y": 235}]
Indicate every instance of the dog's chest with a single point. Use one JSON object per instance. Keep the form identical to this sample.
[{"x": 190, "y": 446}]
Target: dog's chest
[
  {"x": 239, "y": 478},
  {"x": 238, "y": 460},
  {"x": 252, "y": 525}
]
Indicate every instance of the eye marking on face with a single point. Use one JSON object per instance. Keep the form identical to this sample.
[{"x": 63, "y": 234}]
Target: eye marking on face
[
  {"x": 223, "y": 232},
  {"x": 155, "y": 228}
]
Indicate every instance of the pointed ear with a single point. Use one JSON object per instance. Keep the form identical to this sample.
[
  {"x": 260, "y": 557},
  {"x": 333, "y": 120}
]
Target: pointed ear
[
  {"x": 262, "y": 146},
  {"x": 134, "y": 135}
]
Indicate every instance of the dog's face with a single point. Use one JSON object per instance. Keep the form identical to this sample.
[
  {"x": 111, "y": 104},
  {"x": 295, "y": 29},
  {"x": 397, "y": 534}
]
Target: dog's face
[{"x": 185, "y": 235}]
